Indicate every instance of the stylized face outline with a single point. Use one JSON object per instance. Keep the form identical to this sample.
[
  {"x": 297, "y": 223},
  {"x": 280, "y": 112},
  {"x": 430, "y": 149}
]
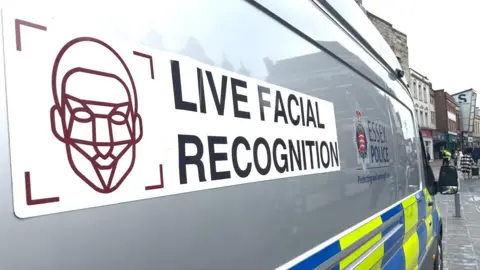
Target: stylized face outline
[{"x": 100, "y": 133}]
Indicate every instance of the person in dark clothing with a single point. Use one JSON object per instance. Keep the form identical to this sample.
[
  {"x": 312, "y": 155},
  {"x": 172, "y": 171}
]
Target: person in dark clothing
[{"x": 454, "y": 157}]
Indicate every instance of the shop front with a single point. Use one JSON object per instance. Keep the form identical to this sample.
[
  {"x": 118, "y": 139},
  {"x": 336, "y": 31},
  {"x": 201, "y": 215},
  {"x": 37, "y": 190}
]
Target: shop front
[
  {"x": 428, "y": 140},
  {"x": 439, "y": 144}
]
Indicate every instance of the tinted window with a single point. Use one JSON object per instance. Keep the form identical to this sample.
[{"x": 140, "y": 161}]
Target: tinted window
[{"x": 408, "y": 150}]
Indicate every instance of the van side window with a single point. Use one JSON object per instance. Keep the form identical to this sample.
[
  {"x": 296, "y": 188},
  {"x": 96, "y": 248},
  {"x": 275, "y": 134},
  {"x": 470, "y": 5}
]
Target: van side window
[
  {"x": 429, "y": 182},
  {"x": 424, "y": 158},
  {"x": 408, "y": 150}
]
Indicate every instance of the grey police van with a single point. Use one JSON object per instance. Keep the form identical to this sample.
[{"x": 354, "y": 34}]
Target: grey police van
[{"x": 210, "y": 135}]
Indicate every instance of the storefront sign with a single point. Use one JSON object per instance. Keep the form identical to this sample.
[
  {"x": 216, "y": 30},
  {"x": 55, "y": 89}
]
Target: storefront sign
[
  {"x": 452, "y": 138},
  {"x": 466, "y": 101},
  {"x": 427, "y": 133},
  {"x": 438, "y": 136}
]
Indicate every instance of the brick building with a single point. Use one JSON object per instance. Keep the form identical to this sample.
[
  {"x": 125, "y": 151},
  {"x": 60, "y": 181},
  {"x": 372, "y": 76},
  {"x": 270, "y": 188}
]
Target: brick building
[
  {"x": 395, "y": 39},
  {"x": 448, "y": 121}
]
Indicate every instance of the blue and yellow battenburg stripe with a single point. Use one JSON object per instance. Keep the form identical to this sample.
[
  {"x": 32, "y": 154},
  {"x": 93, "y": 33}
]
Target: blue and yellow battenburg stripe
[{"x": 405, "y": 249}]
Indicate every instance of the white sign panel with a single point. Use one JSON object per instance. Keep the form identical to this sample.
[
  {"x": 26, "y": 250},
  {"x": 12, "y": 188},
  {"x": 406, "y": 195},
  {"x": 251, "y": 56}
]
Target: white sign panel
[
  {"x": 95, "y": 122},
  {"x": 451, "y": 116},
  {"x": 467, "y": 101}
]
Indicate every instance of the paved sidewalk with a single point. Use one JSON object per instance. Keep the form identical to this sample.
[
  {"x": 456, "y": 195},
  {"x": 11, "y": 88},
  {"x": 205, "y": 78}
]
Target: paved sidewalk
[{"x": 461, "y": 235}]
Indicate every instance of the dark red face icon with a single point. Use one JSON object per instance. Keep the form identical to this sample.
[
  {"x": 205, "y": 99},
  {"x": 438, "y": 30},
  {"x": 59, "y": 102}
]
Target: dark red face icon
[{"x": 95, "y": 112}]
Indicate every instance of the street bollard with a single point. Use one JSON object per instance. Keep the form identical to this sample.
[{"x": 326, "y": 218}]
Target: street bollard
[{"x": 458, "y": 210}]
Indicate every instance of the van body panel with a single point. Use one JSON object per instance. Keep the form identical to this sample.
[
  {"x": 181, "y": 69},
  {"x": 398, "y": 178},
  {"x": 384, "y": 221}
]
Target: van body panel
[{"x": 299, "y": 222}]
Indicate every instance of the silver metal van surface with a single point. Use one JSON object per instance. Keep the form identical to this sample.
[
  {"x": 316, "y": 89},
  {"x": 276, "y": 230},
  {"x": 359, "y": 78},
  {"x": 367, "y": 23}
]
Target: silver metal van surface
[{"x": 298, "y": 46}]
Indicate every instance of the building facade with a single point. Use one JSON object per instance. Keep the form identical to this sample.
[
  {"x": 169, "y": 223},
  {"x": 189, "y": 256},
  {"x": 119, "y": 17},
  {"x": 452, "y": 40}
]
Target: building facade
[
  {"x": 467, "y": 101},
  {"x": 476, "y": 129},
  {"x": 448, "y": 126},
  {"x": 431, "y": 106},
  {"x": 422, "y": 92},
  {"x": 395, "y": 39}
]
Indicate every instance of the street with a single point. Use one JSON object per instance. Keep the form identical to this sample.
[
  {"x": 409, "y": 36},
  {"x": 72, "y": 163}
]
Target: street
[{"x": 461, "y": 235}]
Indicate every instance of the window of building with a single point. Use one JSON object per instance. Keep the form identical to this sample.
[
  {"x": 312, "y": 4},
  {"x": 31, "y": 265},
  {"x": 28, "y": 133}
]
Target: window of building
[
  {"x": 420, "y": 95},
  {"x": 421, "y": 118},
  {"x": 426, "y": 119},
  {"x": 432, "y": 116},
  {"x": 415, "y": 89},
  {"x": 425, "y": 94}
]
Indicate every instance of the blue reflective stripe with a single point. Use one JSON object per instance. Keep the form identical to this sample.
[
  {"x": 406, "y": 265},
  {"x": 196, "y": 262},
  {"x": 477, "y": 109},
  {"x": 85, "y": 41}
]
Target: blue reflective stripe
[
  {"x": 422, "y": 206},
  {"x": 393, "y": 244},
  {"x": 392, "y": 212},
  {"x": 395, "y": 241},
  {"x": 397, "y": 261},
  {"x": 422, "y": 240},
  {"x": 319, "y": 257}
]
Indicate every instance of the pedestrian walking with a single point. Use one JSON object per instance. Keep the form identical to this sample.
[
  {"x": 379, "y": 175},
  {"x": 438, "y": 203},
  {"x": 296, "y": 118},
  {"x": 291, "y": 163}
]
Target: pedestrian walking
[
  {"x": 466, "y": 164},
  {"x": 459, "y": 157},
  {"x": 454, "y": 157}
]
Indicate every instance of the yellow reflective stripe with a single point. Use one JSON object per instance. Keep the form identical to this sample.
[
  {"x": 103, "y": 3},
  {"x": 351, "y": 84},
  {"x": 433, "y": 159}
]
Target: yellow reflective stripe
[
  {"x": 410, "y": 210},
  {"x": 428, "y": 198},
  {"x": 410, "y": 249},
  {"x": 356, "y": 235},
  {"x": 428, "y": 218}
]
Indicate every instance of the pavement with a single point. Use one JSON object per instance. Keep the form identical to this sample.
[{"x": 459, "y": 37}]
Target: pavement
[{"x": 461, "y": 246}]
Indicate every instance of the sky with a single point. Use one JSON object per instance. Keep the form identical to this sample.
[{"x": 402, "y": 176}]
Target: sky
[{"x": 443, "y": 38}]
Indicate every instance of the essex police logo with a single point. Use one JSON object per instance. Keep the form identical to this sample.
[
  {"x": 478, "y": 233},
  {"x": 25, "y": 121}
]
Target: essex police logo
[{"x": 360, "y": 139}]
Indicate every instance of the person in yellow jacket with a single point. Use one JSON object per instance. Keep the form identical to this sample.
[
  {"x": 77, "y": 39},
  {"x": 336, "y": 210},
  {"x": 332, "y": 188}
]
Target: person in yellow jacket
[{"x": 446, "y": 157}]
